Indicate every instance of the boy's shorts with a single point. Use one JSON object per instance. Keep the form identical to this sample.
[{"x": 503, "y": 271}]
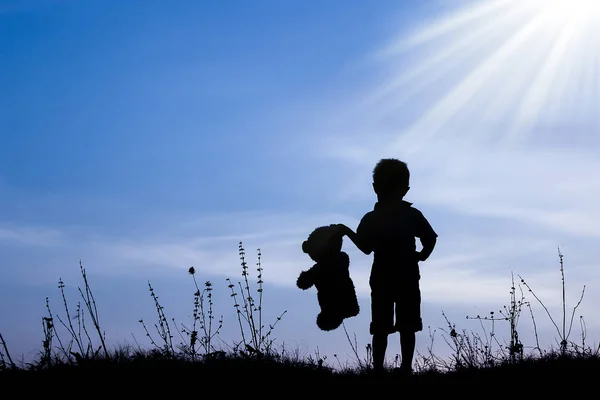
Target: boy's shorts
[{"x": 403, "y": 304}]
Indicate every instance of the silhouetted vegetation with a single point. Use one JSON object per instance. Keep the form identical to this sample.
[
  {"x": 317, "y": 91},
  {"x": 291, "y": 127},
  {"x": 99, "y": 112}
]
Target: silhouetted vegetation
[{"x": 179, "y": 351}]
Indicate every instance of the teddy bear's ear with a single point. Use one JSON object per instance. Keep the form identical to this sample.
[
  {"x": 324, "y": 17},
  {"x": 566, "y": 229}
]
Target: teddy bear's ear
[{"x": 305, "y": 246}]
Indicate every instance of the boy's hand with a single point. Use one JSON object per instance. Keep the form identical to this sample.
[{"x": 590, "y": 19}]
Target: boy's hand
[
  {"x": 341, "y": 229},
  {"x": 418, "y": 255}
]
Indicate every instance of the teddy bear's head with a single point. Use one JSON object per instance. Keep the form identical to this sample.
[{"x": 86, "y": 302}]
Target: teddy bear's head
[{"x": 323, "y": 243}]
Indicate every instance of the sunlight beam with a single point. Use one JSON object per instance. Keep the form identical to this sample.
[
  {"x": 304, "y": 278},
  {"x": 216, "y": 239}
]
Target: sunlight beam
[
  {"x": 537, "y": 95},
  {"x": 447, "y": 24},
  {"x": 436, "y": 65},
  {"x": 545, "y": 61},
  {"x": 561, "y": 10},
  {"x": 426, "y": 127}
]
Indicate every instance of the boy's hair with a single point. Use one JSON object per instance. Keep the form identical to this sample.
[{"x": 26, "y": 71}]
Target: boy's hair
[{"x": 390, "y": 174}]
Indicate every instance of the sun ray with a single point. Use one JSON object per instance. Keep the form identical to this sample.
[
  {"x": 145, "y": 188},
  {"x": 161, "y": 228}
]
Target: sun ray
[
  {"x": 590, "y": 106},
  {"x": 506, "y": 68},
  {"x": 570, "y": 94},
  {"x": 508, "y": 85},
  {"x": 436, "y": 65},
  {"x": 427, "y": 127},
  {"x": 537, "y": 94},
  {"x": 449, "y": 23},
  {"x": 595, "y": 104}
]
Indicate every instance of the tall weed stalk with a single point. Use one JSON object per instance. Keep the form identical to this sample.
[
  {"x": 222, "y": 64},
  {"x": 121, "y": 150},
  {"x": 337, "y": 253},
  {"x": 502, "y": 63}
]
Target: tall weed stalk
[
  {"x": 256, "y": 338},
  {"x": 564, "y": 332},
  {"x": 80, "y": 344}
]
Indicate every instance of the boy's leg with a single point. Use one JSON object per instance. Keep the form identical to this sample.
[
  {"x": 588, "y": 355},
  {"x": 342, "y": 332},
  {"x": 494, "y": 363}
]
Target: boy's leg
[
  {"x": 382, "y": 322},
  {"x": 380, "y": 341},
  {"x": 408, "y": 322},
  {"x": 407, "y": 348}
]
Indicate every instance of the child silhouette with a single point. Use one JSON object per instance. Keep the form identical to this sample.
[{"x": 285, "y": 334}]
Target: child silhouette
[{"x": 389, "y": 232}]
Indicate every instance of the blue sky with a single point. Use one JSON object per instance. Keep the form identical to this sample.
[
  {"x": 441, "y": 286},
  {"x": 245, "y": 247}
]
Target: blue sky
[{"x": 145, "y": 139}]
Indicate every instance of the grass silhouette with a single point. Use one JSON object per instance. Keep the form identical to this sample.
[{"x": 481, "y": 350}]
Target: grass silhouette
[{"x": 180, "y": 350}]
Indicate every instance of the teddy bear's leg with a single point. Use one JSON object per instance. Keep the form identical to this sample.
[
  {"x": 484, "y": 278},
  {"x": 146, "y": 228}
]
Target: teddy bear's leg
[
  {"x": 328, "y": 321},
  {"x": 353, "y": 308},
  {"x": 349, "y": 304}
]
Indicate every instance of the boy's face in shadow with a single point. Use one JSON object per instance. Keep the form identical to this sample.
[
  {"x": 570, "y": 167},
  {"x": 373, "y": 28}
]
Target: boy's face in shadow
[{"x": 398, "y": 192}]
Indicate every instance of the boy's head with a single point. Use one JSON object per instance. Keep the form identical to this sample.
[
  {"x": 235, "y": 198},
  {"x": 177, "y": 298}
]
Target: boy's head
[{"x": 391, "y": 178}]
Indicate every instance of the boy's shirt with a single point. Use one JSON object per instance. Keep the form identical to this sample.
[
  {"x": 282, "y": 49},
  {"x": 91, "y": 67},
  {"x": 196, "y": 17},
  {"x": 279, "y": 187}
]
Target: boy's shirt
[{"x": 390, "y": 231}]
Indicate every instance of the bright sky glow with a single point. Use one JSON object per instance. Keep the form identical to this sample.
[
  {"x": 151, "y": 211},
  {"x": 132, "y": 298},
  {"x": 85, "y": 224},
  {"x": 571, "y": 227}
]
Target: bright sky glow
[
  {"x": 571, "y": 11},
  {"x": 532, "y": 58}
]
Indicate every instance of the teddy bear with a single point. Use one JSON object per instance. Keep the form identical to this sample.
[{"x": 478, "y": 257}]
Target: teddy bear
[{"x": 330, "y": 275}]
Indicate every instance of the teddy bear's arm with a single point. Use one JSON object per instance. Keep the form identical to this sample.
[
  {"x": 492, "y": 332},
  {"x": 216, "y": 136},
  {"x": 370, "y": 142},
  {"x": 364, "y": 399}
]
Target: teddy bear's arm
[{"x": 306, "y": 279}]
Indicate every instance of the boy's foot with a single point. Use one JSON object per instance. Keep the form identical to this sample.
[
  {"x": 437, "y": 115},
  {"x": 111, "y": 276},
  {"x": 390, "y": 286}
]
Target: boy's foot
[
  {"x": 402, "y": 372},
  {"x": 377, "y": 371}
]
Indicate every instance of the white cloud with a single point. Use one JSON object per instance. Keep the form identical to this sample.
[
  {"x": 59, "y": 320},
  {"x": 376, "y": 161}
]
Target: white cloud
[
  {"x": 35, "y": 236},
  {"x": 555, "y": 190},
  {"x": 466, "y": 268}
]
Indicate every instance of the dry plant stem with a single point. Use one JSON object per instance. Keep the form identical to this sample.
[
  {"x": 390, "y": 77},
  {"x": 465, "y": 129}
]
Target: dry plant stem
[
  {"x": 90, "y": 303},
  {"x": 564, "y": 334},
  {"x": 455, "y": 345},
  {"x": 69, "y": 327},
  {"x": 77, "y": 333},
  {"x": 511, "y": 314},
  {"x": 564, "y": 302},
  {"x": 199, "y": 303},
  {"x": 139, "y": 347},
  {"x": 254, "y": 342},
  {"x": 201, "y": 320},
  {"x": 469, "y": 350},
  {"x": 163, "y": 328},
  {"x": 208, "y": 335},
  {"x": 6, "y": 352},
  {"x": 260, "y": 292},
  {"x": 48, "y": 328},
  {"x": 583, "y": 332},
  {"x": 202, "y": 317},
  {"x": 249, "y": 307},
  {"x": 354, "y": 347},
  {"x": 190, "y": 348},
  {"x": 148, "y": 335},
  {"x": 428, "y": 361},
  {"x": 198, "y": 307},
  {"x": 238, "y": 311},
  {"x": 66, "y": 351},
  {"x": 535, "y": 332},
  {"x": 81, "y": 327},
  {"x": 198, "y": 312},
  {"x": 183, "y": 347}
]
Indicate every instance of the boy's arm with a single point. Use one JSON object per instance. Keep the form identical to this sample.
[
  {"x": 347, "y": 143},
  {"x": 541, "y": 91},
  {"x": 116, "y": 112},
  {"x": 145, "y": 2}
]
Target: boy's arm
[
  {"x": 355, "y": 238},
  {"x": 426, "y": 235},
  {"x": 428, "y": 246}
]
